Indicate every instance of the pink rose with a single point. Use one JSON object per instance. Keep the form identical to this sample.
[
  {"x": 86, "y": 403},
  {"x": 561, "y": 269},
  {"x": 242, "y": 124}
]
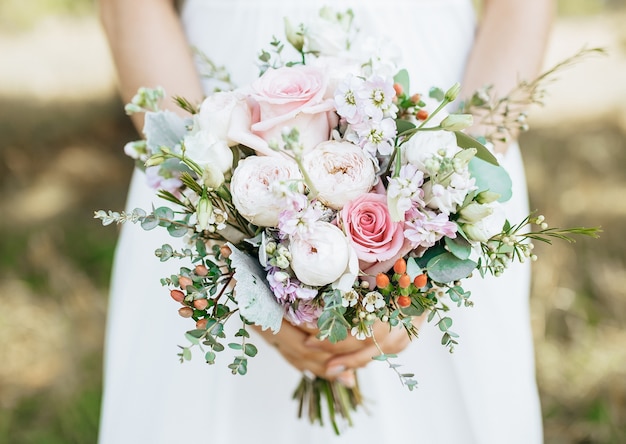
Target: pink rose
[
  {"x": 370, "y": 229},
  {"x": 287, "y": 97}
]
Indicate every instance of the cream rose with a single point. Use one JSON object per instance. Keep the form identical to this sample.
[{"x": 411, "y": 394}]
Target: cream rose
[
  {"x": 205, "y": 149},
  {"x": 340, "y": 171},
  {"x": 287, "y": 97},
  {"x": 251, "y": 187},
  {"x": 321, "y": 257},
  {"x": 488, "y": 226}
]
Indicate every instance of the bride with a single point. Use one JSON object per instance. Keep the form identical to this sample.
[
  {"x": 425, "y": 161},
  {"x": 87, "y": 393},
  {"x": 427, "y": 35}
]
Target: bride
[{"x": 484, "y": 393}]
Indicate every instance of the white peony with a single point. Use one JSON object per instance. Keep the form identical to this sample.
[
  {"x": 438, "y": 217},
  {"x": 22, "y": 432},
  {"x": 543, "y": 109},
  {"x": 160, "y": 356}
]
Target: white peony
[
  {"x": 251, "y": 187},
  {"x": 340, "y": 171},
  {"x": 321, "y": 257}
]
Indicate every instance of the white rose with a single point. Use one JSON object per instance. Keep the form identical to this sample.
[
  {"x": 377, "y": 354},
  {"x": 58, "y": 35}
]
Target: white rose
[
  {"x": 340, "y": 171},
  {"x": 425, "y": 145},
  {"x": 205, "y": 149},
  {"x": 215, "y": 114},
  {"x": 488, "y": 226},
  {"x": 326, "y": 35},
  {"x": 251, "y": 187},
  {"x": 322, "y": 257}
]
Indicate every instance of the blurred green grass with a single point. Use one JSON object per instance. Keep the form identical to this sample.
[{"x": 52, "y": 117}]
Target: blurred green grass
[{"x": 61, "y": 160}]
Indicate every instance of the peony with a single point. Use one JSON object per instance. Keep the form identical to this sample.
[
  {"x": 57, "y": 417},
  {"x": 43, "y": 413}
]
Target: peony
[
  {"x": 340, "y": 171},
  {"x": 322, "y": 257},
  {"x": 287, "y": 97},
  {"x": 252, "y": 187},
  {"x": 372, "y": 232},
  {"x": 488, "y": 226}
]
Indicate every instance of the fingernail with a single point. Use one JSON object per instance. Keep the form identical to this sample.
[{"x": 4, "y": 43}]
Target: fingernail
[
  {"x": 331, "y": 372},
  {"x": 347, "y": 379}
]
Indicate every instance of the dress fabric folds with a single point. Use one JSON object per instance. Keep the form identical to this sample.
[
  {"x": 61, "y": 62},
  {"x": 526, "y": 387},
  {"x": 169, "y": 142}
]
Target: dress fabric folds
[{"x": 483, "y": 393}]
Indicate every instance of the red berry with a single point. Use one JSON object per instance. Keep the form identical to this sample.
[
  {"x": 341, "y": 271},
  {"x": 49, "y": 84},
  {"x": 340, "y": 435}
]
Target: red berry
[
  {"x": 201, "y": 304},
  {"x": 404, "y": 301},
  {"x": 422, "y": 114},
  {"x": 201, "y": 324},
  {"x": 225, "y": 251},
  {"x": 177, "y": 295},
  {"x": 201, "y": 270},
  {"x": 185, "y": 312}
]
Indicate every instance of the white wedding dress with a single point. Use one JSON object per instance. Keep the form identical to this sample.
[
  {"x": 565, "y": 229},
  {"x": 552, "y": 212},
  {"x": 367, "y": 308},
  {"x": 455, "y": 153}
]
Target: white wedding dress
[{"x": 484, "y": 393}]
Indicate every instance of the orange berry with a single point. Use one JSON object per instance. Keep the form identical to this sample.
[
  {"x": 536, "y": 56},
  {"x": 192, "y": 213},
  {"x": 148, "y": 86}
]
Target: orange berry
[
  {"x": 420, "y": 280},
  {"x": 201, "y": 270},
  {"x": 404, "y": 281},
  {"x": 404, "y": 301},
  {"x": 400, "y": 266},
  {"x": 415, "y": 98},
  {"x": 201, "y": 304},
  {"x": 382, "y": 280},
  {"x": 184, "y": 282},
  {"x": 177, "y": 295},
  {"x": 185, "y": 312},
  {"x": 398, "y": 88},
  {"x": 201, "y": 324},
  {"x": 225, "y": 251},
  {"x": 422, "y": 114}
]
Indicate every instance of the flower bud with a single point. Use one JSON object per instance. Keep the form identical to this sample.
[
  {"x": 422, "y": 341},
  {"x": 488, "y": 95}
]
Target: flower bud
[
  {"x": 212, "y": 177},
  {"x": 457, "y": 122},
  {"x": 203, "y": 212},
  {"x": 474, "y": 212},
  {"x": 155, "y": 160},
  {"x": 293, "y": 36},
  {"x": 486, "y": 197},
  {"x": 453, "y": 92}
]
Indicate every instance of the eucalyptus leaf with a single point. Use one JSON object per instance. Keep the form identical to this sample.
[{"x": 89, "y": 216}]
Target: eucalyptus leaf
[
  {"x": 436, "y": 93},
  {"x": 149, "y": 222},
  {"x": 412, "y": 268},
  {"x": 445, "y": 323},
  {"x": 177, "y": 230},
  {"x": 235, "y": 345},
  {"x": 465, "y": 141},
  {"x": 491, "y": 177},
  {"x": 163, "y": 128},
  {"x": 186, "y": 354},
  {"x": 447, "y": 267},
  {"x": 164, "y": 213},
  {"x": 458, "y": 246},
  {"x": 210, "y": 357},
  {"x": 250, "y": 350}
]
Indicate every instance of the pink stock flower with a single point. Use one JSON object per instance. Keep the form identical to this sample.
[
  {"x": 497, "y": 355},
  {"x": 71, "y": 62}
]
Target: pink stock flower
[{"x": 369, "y": 227}]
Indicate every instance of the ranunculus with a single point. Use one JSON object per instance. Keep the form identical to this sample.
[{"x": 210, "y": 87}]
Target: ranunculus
[
  {"x": 322, "y": 256},
  {"x": 485, "y": 228},
  {"x": 287, "y": 97},
  {"x": 205, "y": 149},
  {"x": 215, "y": 114},
  {"x": 340, "y": 171},
  {"x": 372, "y": 232},
  {"x": 251, "y": 187}
]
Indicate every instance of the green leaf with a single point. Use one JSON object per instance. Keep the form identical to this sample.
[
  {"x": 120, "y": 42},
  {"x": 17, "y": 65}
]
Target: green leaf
[
  {"x": 149, "y": 222},
  {"x": 465, "y": 141},
  {"x": 176, "y": 230},
  {"x": 235, "y": 345},
  {"x": 250, "y": 350},
  {"x": 333, "y": 326},
  {"x": 242, "y": 333},
  {"x": 445, "y": 323},
  {"x": 436, "y": 93},
  {"x": 491, "y": 177},
  {"x": 210, "y": 357},
  {"x": 403, "y": 125},
  {"x": 165, "y": 252},
  {"x": 459, "y": 247},
  {"x": 412, "y": 268},
  {"x": 164, "y": 213},
  {"x": 448, "y": 268},
  {"x": 402, "y": 78},
  {"x": 186, "y": 354}
]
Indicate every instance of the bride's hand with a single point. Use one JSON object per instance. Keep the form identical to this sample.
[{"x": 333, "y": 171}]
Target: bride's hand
[{"x": 352, "y": 353}]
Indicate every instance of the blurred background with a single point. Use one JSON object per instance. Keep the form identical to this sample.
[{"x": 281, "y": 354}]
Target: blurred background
[{"x": 62, "y": 129}]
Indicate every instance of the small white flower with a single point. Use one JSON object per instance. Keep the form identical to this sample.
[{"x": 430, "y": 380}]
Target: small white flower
[
  {"x": 372, "y": 301},
  {"x": 350, "y": 298}
]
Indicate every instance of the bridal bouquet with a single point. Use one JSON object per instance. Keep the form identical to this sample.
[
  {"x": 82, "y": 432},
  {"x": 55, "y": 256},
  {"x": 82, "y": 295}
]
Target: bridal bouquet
[{"x": 327, "y": 194}]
